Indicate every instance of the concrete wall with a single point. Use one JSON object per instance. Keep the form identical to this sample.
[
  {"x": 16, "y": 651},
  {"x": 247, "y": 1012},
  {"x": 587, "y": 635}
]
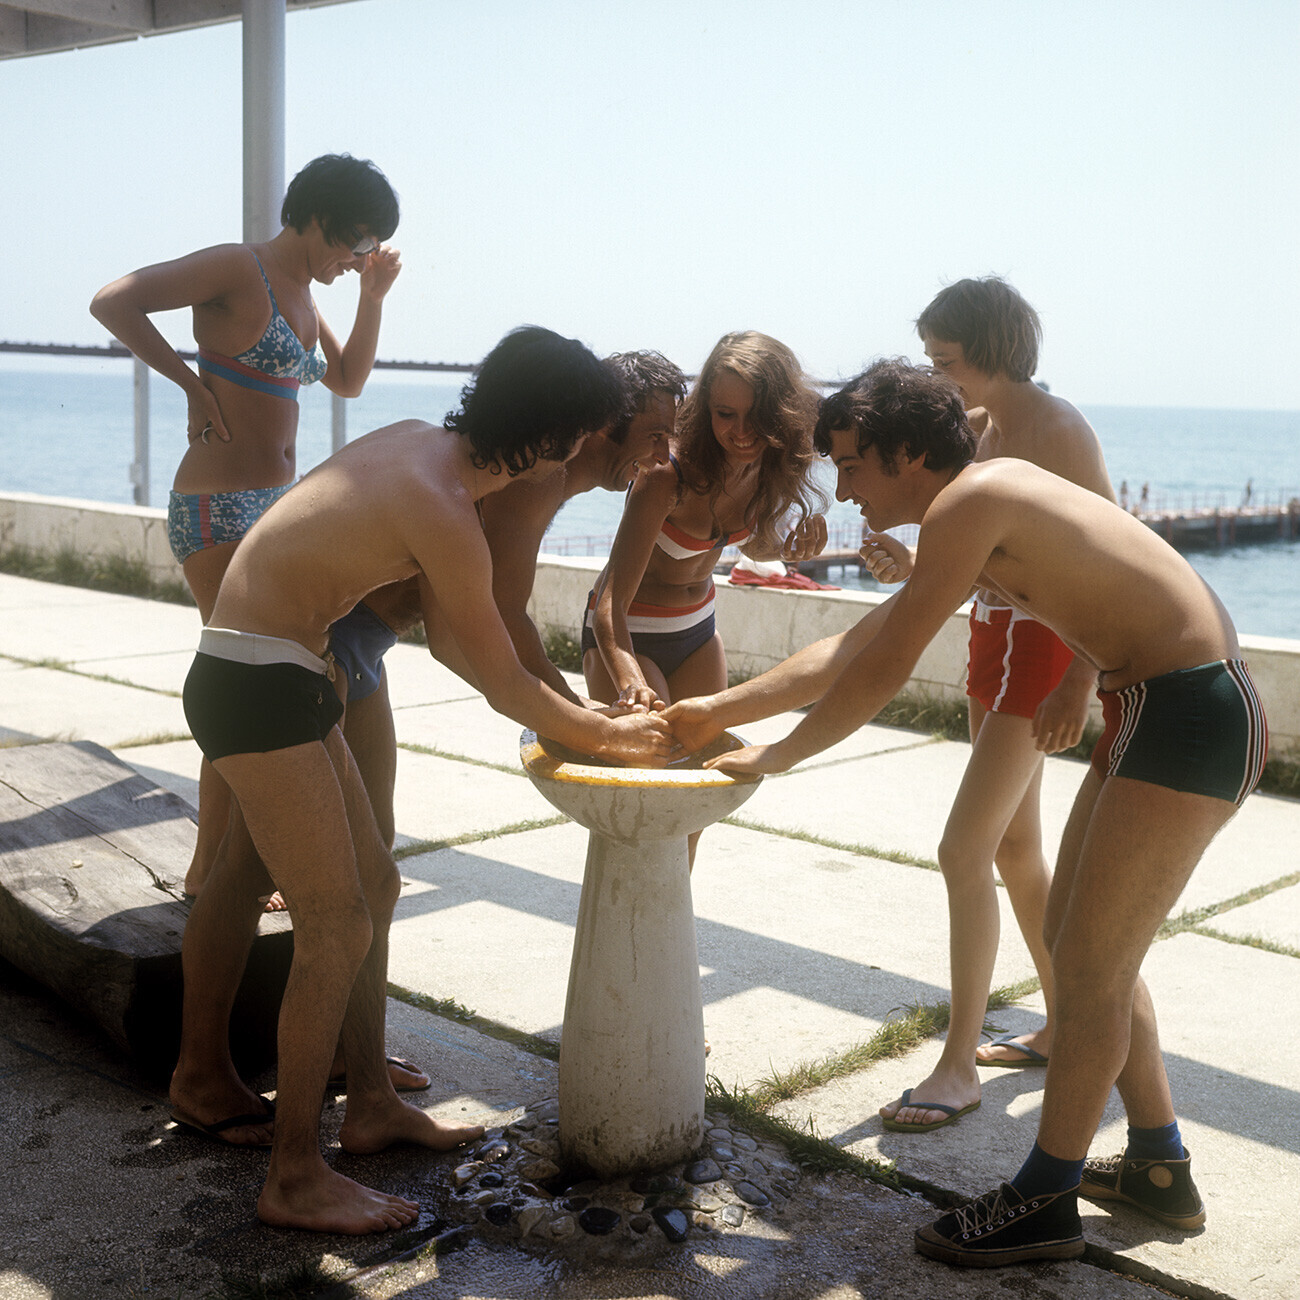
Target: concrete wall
[
  {"x": 760, "y": 626},
  {"x": 93, "y": 529}
]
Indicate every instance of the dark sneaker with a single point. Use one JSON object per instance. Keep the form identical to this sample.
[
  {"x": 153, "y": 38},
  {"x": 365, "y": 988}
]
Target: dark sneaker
[
  {"x": 1161, "y": 1188},
  {"x": 1002, "y": 1227}
]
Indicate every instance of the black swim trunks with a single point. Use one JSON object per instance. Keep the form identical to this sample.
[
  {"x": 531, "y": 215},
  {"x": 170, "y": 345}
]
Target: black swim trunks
[
  {"x": 1200, "y": 730},
  {"x": 239, "y": 707}
]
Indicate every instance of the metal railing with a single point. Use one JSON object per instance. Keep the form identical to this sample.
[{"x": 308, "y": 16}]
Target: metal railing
[{"x": 138, "y": 473}]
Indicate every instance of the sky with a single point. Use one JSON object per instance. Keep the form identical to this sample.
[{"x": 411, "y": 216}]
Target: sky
[{"x": 655, "y": 174}]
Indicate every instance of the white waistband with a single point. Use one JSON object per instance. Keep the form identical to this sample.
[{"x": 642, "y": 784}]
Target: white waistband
[{"x": 254, "y": 648}]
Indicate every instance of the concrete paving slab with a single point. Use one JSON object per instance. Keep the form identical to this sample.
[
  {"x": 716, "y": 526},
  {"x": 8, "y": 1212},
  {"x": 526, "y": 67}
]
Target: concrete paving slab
[
  {"x": 164, "y": 671},
  {"x": 1275, "y": 919},
  {"x": 1257, "y": 847},
  {"x": 785, "y": 978},
  {"x": 439, "y": 799},
  {"x": 52, "y": 704},
  {"x": 415, "y": 677},
  {"x": 896, "y": 801},
  {"x": 466, "y": 728},
  {"x": 1233, "y": 1064},
  {"x": 174, "y": 766},
  {"x": 871, "y": 739},
  {"x": 87, "y": 626}
]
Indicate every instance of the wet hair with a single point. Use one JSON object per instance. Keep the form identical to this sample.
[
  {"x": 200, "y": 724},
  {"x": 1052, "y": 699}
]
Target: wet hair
[
  {"x": 641, "y": 374},
  {"x": 998, "y": 330},
  {"x": 532, "y": 397},
  {"x": 344, "y": 194},
  {"x": 900, "y": 409},
  {"x": 783, "y": 413}
]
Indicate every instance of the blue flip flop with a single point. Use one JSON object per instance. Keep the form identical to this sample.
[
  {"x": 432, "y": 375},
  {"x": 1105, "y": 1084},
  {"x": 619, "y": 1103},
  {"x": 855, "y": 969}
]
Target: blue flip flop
[
  {"x": 1032, "y": 1059},
  {"x": 951, "y": 1112}
]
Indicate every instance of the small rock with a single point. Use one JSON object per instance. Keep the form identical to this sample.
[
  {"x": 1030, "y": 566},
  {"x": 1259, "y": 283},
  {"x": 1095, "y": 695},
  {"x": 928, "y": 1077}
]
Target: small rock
[
  {"x": 564, "y": 1226},
  {"x": 537, "y": 1147},
  {"x": 488, "y": 1197},
  {"x": 575, "y": 1202},
  {"x": 702, "y": 1200},
  {"x": 732, "y": 1215},
  {"x": 752, "y": 1195},
  {"x": 721, "y": 1151},
  {"x": 673, "y": 1224},
  {"x": 640, "y": 1223},
  {"x": 531, "y": 1216},
  {"x": 491, "y": 1178},
  {"x": 499, "y": 1214},
  {"x": 464, "y": 1173},
  {"x": 702, "y": 1171},
  {"x": 599, "y": 1221},
  {"x": 720, "y": 1134},
  {"x": 539, "y": 1170},
  {"x": 745, "y": 1142},
  {"x": 493, "y": 1152},
  {"x": 547, "y": 1111}
]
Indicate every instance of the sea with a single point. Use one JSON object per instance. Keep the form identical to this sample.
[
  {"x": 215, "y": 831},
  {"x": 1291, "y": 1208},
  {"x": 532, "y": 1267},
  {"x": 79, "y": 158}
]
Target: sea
[{"x": 66, "y": 429}]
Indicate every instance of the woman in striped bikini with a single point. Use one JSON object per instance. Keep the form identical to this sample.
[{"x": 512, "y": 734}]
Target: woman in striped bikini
[{"x": 738, "y": 475}]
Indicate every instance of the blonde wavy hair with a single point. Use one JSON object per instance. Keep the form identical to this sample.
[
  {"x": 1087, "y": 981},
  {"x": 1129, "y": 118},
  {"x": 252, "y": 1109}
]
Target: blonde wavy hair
[{"x": 783, "y": 416}]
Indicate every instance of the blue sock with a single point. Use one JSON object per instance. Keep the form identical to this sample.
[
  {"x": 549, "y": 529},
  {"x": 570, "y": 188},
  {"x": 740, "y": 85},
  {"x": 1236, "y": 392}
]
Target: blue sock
[
  {"x": 1164, "y": 1143},
  {"x": 1044, "y": 1175}
]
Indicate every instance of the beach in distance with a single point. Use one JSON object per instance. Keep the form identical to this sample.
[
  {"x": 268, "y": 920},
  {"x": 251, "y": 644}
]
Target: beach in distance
[{"x": 66, "y": 430}]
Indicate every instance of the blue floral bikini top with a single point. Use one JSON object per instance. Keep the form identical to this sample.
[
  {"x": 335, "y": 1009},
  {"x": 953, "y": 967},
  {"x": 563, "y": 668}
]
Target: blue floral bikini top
[{"x": 277, "y": 363}]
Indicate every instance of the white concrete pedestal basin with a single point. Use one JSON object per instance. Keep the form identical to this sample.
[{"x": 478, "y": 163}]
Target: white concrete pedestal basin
[{"x": 632, "y": 1052}]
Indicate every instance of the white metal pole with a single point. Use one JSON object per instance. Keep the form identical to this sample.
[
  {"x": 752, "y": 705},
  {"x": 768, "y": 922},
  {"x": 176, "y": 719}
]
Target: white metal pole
[
  {"x": 140, "y": 465},
  {"x": 264, "y": 48},
  {"x": 338, "y": 422}
]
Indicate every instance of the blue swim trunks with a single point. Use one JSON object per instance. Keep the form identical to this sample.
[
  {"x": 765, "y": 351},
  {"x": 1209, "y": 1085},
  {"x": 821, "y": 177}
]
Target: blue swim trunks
[
  {"x": 197, "y": 520},
  {"x": 1199, "y": 730},
  {"x": 359, "y": 641}
]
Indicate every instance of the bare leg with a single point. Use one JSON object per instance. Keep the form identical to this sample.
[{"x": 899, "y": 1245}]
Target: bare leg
[
  {"x": 1128, "y": 852},
  {"x": 702, "y": 672},
  {"x": 1002, "y": 768},
  {"x": 372, "y": 739},
  {"x": 205, "y": 1087},
  {"x": 1023, "y": 867},
  {"x": 295, "y": 812}
]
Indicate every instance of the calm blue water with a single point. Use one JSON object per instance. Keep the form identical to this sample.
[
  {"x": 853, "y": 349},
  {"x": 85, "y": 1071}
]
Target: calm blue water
[{"x": 66, "y": 430}]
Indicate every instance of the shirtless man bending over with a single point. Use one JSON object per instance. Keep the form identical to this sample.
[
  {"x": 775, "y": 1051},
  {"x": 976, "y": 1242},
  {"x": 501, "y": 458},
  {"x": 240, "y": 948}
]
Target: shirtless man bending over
[
  {"x": 515, "y": 521},
  {"x": 397, "y": 503},
  {"x": 1160, "y": 786}
]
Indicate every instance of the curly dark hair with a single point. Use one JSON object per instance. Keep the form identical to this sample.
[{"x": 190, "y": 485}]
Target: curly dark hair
[
  {"x": 785, "y": 407},
  {"x": 641, "y": 374},
  {"x": 344, "y": 194},
  {"x": 532, "y": 397},
  {"x": 998, "y": 330},
  {"x": 900, "y": 409}
]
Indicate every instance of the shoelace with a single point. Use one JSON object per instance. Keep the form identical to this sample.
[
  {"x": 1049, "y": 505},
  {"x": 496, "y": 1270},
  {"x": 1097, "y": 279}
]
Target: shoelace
[{"x": 980, "y": 1214}]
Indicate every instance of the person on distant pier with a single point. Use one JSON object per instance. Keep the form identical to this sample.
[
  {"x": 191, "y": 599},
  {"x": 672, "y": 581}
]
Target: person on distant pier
[
  {"x": 1028, "y": 695},
  {"x": 1184, "y": 743},
  {"x": 260, "y": 337},
  {"x": 515, "y": 520},
  {"x": 399, "y": 502},
  {"x": 739, "y": 475}
]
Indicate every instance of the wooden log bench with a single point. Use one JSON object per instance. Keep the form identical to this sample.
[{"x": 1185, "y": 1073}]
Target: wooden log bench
[{"x": 92, "y": 860}]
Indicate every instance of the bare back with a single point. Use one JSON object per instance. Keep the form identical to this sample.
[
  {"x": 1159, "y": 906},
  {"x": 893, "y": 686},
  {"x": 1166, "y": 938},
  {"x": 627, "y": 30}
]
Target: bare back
[
  {"x": 1108, "y": 586},
  {"x": 388, "y": 506}
]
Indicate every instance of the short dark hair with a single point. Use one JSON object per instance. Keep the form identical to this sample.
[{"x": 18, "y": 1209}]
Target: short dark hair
[
  {"x": 642, "y": 373},
  {"x": 998, "y": 330},
  {"x": 532, "y": 397},
  {"x": 899, "y": 409},
  {"x": 344, "y": 194}
]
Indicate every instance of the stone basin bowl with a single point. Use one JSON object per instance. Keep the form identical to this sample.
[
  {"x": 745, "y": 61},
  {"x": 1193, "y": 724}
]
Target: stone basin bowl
[{"x": 634, "y": 804}]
